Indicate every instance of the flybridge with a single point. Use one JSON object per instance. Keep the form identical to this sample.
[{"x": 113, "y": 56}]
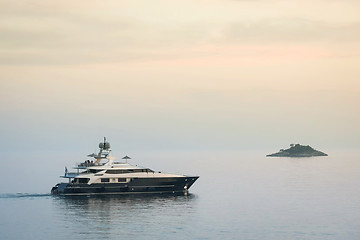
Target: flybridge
[{"x": 104, "y": 152}]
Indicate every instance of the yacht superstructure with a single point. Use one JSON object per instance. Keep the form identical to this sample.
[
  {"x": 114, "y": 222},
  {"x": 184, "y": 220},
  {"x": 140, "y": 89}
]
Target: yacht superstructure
[{"x": 105, "y": 176}]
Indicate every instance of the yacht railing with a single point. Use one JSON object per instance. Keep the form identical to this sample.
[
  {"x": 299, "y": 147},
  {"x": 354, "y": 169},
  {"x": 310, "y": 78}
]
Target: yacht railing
[{"x": 84, "y": 165}]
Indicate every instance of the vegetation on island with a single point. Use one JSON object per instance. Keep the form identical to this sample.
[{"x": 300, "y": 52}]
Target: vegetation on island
[{"x": 297, "y": 150}]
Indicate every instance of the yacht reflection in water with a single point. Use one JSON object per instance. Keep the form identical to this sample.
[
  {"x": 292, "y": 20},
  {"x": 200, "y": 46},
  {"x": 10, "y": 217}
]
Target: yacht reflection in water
[{"x": 113, "y": 217}]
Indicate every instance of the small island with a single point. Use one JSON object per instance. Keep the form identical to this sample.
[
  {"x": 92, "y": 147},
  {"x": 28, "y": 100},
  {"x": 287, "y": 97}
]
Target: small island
[{"x": 297, "y": 150}]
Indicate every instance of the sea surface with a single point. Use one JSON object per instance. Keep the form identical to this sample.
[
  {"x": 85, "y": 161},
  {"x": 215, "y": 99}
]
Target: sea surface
[{"x": 238, "y": 196}]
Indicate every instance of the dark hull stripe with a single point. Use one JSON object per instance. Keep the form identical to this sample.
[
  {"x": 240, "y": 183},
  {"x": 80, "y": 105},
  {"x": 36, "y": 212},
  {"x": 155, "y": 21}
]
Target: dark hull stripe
[
  {"x": 137, "y": 186},
  {"x": 117, "y": 187},
  {"x": 121, "y": 193}
]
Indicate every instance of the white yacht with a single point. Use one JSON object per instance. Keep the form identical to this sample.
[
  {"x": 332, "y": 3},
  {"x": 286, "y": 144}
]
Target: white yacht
[{"x": 105, "y": 176}]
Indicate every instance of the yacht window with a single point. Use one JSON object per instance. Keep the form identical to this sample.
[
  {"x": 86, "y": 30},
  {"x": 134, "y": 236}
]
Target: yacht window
[
  {"x": 121, "y": 179},
  {"x": 105, "y": 180},
  {"x": 116, "y": 171},
  {"x": 84, "y": 180}
]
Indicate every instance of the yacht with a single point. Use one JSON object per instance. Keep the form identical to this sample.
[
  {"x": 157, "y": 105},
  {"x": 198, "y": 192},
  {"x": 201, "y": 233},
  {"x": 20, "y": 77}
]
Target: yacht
[{"x": 105, "y": 176}]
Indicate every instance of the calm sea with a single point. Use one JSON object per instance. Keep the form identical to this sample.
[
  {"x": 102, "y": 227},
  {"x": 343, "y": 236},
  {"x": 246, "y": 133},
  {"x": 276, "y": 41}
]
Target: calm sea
[{"x": 238, "y": 196}]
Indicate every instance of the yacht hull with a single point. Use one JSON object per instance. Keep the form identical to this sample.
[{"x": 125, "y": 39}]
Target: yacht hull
[{"x": 135, "y": 186}]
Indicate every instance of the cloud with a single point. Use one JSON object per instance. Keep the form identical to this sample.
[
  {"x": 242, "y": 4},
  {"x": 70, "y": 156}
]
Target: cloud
[
  {"x": 66, "y": 32},
  {"x": 293, "y": 30}
]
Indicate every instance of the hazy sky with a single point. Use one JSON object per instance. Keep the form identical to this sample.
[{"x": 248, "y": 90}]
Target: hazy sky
[{"x": 207, "y": 74}]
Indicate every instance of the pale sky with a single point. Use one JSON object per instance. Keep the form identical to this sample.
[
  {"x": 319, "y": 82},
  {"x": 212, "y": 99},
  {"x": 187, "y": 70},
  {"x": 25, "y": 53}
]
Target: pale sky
[{"x": 207, "y": 74}]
